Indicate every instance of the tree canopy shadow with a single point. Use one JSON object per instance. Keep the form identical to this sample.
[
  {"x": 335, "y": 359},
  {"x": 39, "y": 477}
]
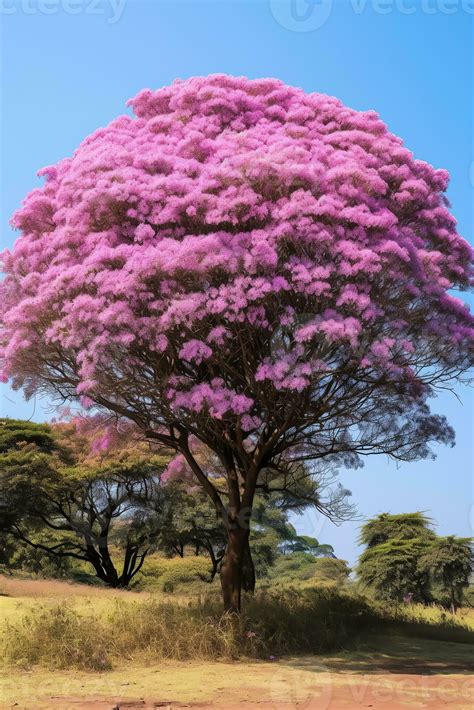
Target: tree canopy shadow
[{"x": 398, "y": 654}]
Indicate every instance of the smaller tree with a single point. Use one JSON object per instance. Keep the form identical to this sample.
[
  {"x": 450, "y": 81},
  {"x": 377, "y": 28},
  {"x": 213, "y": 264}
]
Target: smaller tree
[
  {"x": 191, "y": 523},
  {"x": 390, "y": 564},
  {"x": 405, "y": 558},
  {"x": 21, "y": 556},
  {"x": 392, "y": 572},
  {"x": 91, "y": 486},
  {"x": 305, "y": 543},
  {"x": 403, "y": 526},
  {"x": 449, "y": 563},
  {"x": 24, "y": 447}
]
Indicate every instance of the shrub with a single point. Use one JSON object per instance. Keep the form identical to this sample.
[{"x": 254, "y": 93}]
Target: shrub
[
  {"x": 331, "y": 569},
  {"x": 167, "y": 575},
  {"x": 303, "y": 566},
  {"x": 58, "y": 637}
]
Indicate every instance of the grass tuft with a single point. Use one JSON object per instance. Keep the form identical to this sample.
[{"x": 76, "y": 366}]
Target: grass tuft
[
  {"x": 288, "y": 622},
  {"x": 60, "y": 636}
]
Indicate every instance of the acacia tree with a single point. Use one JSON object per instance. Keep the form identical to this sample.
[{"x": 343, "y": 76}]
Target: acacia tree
[
  {"x": 91, "y": 487},
  {"x": 265, "y": 270},
  {"x": 191, "y": 523}
]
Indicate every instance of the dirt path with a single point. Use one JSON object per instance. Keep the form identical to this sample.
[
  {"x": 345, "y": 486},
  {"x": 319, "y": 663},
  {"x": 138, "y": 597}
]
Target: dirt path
[
  {"x": 296, "y": 693},
  {"x": 341, "y": 682}
]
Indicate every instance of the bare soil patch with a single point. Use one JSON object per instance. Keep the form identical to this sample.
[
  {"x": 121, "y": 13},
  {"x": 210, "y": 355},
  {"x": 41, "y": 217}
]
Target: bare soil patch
[{"x": 309, "y": 683}]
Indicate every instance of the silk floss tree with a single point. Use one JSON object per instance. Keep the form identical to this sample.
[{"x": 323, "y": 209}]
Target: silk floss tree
[{"x": 263, "y": 270}]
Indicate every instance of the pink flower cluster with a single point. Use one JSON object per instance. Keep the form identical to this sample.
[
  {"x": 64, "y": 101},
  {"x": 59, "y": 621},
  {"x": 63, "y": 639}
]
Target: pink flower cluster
[{"x": 230, "y": 206}]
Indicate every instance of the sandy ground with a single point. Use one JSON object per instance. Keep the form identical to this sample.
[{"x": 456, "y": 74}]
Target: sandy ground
[{"x": 307, "y": 683}]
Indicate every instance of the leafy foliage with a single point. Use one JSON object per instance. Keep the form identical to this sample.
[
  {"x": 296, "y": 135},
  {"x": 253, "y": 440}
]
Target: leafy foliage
[
  {"x": 303, "y": 567},
  {"x": 449, "y": 562},
  {"x": 392, "y": 570},
  {"x": 405, "y": 560},
  {"x": 56, "y": 482},
  {"x": 404, "y": 526}
]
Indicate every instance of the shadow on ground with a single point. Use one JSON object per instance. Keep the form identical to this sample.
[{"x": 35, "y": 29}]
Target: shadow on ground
[{"x": 396, "y": 654}]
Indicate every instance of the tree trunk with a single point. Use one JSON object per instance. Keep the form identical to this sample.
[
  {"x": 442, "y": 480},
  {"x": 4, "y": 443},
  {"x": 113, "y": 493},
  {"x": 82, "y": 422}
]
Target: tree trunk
[
  {"x": 248, "y": 570},
  {"x": 231, "y": 569},
  {"x": 454, "y": 605}
]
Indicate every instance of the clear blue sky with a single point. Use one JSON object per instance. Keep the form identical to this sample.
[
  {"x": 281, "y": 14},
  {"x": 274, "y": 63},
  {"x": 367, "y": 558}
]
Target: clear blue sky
[{"x": 65, "y": 74}]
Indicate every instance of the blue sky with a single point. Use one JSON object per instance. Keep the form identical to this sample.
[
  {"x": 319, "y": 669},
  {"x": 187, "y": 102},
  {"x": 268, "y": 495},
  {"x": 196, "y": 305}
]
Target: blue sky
[{"x": 68, "y": 66}]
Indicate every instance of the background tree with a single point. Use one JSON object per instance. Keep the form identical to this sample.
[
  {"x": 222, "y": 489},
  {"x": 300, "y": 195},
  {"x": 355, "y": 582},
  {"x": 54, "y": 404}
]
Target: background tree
[
  {"x": 402, "y": 526},
  {"x": 192, "y": 525},
  {"x": 390, "y": 564},
  {"x": 404, "y": 558},
  {"x": 267, "y": 271},
  {"x": 36, "y": 560},
  {"x": 449, "y": 564},
  {"x": 308, "y": 544},
  {"x": 90, "y": 492},
  {"x": 24, "y": 447}
]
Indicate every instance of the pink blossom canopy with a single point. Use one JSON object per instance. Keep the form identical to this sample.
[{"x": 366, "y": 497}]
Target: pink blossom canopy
[{"x": 233, "y": 246}]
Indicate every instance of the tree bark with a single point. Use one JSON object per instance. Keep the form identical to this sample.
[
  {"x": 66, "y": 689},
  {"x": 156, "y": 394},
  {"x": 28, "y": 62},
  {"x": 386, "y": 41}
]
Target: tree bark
[
  {"x": 248, "y": 570},
  {"x": 232, "y": 569}
]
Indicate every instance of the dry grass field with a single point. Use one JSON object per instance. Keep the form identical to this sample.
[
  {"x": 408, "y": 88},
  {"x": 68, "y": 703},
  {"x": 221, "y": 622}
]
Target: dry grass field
[{"x": 389, "y": 672}]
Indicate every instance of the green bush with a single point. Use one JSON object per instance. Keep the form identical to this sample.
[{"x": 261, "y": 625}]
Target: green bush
[
  {"x": 292, "y": 567},
  {"x": 303, "y": 566},
  {"x": 168, "y": 575},
  {"x": 331, "y": 569}
]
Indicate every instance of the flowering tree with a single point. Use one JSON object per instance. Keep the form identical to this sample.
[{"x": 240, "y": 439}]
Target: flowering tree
[{"x": 262, "y": 269}]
